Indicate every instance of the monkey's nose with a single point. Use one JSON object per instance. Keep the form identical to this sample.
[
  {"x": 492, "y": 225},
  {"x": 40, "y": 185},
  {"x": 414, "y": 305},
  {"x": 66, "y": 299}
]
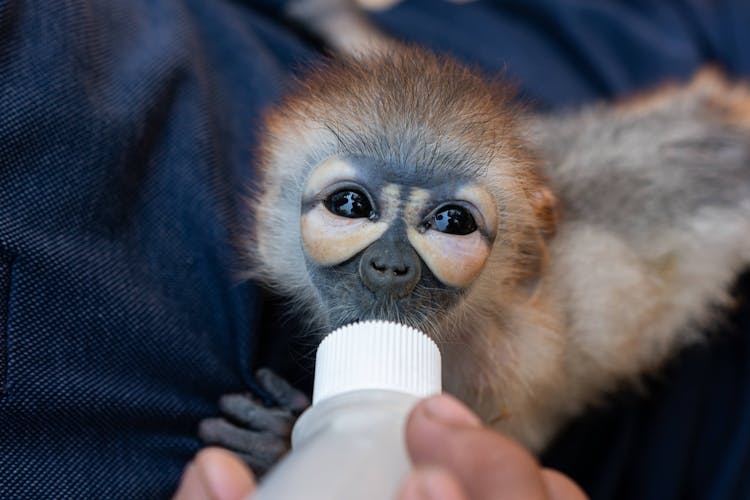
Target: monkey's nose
[{"x": 390, "y": 269}]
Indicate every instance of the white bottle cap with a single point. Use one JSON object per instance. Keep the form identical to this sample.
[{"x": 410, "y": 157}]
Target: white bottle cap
[{"x": 377, "y": 355}]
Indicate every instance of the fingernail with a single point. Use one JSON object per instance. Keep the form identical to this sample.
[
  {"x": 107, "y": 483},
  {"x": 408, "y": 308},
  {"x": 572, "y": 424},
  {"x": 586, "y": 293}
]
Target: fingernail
[{"x": 448, "y": 410}]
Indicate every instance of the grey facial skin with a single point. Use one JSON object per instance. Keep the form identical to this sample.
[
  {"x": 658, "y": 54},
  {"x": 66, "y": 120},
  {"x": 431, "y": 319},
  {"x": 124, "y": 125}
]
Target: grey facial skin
[
  {"x": 388, "y": 279},
  {"x": 356, "y": 290}
]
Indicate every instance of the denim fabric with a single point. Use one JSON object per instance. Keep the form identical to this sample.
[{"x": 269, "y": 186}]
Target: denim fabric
[
  {"x": 568, "y": 52},
  {"x": 685, "y": 436},
  {"x": 126, "y": 135},
  {"x": 126, "y": 145},
  {"x": 6, "y": 263}
]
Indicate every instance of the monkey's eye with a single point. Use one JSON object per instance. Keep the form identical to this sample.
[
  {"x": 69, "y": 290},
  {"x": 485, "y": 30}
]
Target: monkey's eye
[
  {"x": 453, "y": 219},
  {"x": 349, "y": 203}
]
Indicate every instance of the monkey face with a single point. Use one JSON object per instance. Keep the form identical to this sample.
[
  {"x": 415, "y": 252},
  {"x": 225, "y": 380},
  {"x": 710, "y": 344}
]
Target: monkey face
[
  {"x": 398, "y": 188},
  {"x": 402, "y": 250}
]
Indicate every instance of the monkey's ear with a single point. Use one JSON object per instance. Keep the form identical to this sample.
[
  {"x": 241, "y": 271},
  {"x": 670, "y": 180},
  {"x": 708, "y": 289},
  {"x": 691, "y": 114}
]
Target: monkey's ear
[{"x": 544, "y": 205}]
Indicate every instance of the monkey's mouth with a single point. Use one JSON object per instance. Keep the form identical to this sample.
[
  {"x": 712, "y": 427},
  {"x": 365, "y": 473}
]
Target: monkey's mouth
[{"x": 420, "y": 310}]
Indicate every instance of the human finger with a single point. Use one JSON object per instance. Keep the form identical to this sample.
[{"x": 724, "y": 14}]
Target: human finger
[
  {"x": 561, "y": 487},
  {"x": 442, "y": 432},
  {"x": 215, "y": 474},
  {"x": 431, "y": 483}
]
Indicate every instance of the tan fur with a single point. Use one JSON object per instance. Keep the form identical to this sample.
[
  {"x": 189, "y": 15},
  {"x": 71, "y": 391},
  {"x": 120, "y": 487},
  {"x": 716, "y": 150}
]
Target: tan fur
[{"x": 710, "y": 83}]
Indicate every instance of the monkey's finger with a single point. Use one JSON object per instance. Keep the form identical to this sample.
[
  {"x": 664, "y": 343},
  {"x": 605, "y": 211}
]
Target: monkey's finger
[
  {"x": 250, "y": 413},
  {"x": 266, "y": 448},
  {"x": 284, "y": 394}
]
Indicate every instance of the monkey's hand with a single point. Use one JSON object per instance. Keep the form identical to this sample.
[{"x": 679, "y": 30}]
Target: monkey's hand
[{"x": 260, "y": 435}]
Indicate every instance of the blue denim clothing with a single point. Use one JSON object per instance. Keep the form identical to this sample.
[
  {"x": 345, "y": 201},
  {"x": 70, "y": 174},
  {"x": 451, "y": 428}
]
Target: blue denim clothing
[{"x": 126, "y": 146}]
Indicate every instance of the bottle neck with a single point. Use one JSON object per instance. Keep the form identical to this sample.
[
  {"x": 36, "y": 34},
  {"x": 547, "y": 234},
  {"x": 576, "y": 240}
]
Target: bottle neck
[{"x": 353, "y": 411}]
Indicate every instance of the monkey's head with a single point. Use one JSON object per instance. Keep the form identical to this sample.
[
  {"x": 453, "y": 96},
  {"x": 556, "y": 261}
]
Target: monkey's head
[{"x": 397, "y": 188}]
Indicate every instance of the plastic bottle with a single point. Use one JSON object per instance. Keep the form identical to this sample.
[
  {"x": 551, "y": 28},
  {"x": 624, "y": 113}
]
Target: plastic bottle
[{"x": 350, "y": 443}]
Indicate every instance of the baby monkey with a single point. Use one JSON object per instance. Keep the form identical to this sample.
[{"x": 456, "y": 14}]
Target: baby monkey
[{"x": 552, "y": 258}]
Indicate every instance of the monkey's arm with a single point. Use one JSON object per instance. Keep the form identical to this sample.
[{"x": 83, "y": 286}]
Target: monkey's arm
[
  {"x": 654, "y": 223},
  {"x": 257, "y": 433}
]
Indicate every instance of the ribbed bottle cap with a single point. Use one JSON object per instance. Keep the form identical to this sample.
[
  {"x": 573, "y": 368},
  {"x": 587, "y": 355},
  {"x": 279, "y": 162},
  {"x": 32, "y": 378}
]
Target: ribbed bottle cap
[{"x": 376, "y": 355}]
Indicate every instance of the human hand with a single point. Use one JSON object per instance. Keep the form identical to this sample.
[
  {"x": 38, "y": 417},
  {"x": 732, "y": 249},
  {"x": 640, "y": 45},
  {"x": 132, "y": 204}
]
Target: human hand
[{"x": 455, "y": 458}]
